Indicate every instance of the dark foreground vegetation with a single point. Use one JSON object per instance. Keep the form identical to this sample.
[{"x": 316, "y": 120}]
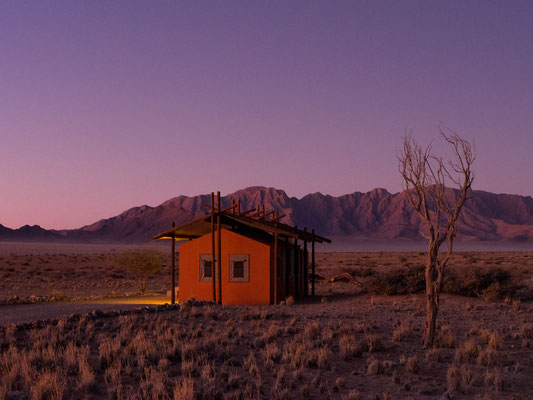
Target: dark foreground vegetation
[
  {"x": 364, "y": 347},
  {"x": 491, "y": 276},
  {"x": 352, "y": 341}
]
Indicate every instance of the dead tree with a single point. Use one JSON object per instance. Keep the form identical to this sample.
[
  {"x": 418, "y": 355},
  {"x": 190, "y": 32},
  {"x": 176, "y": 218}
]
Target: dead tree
[{"x": 426, "y": 177}]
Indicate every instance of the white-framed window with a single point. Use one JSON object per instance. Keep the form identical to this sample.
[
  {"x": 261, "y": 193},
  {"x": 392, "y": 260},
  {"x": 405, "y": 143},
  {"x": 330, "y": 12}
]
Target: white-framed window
[
  {"x": 239, "y": 268},
  {"x": 206, "y": 267}
]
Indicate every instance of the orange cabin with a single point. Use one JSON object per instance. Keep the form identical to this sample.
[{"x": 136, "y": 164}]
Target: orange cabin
[{"x": 262, "y": 260}]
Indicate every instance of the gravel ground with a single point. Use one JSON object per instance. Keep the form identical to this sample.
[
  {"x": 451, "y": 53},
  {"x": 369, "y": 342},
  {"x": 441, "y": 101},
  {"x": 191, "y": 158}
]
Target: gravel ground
[{"x": 20, "y": 313}]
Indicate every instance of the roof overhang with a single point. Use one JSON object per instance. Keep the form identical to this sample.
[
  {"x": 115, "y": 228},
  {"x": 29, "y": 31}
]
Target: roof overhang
[{"x": 202, "y": 226}]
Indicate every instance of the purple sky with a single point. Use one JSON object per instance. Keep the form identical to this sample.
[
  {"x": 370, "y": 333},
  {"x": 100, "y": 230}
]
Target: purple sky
[{"x": 105, "y": 105}]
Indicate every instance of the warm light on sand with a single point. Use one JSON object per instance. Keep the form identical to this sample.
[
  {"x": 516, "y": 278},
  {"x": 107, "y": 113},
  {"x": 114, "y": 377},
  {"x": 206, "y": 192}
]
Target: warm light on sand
[{"x": 141, "y": 300}]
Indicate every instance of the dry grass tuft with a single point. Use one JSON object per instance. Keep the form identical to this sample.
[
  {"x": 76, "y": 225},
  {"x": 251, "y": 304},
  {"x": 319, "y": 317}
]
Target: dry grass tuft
[
  {"x": 401, "y": 333},
  {"x": 494, "y": 379},
  {"x": 413, "y": 365},
  {"x": 445, "y": 337},
  {"x": 374, "y": 342},
  {"x": 49, "y": 385},
  {"x": 453, "y": 377},
  {"x": 348, "y": 347},
  {"x": 374, "y": 367},
  {"x": 467, "y": 352},
  {"x": 184, "y": 390},
  {"x": 495, "y": 341}
]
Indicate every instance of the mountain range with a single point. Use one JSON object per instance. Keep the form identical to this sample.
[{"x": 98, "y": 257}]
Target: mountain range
[{"x": 375, "y": 215}]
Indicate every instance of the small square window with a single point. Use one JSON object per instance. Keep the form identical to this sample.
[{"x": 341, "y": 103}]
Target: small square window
[
  {"x": 239, "y": 268},
  {"x": 206, "y": 267}
]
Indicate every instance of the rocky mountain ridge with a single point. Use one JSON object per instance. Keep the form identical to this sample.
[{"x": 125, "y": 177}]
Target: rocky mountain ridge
[{"x": 377, "y": 214}]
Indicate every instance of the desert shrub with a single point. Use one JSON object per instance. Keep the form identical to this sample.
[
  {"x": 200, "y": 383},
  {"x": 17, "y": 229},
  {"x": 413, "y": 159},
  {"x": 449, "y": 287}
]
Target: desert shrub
[
  {"x": 491, "y": 283},
  {"x": 142, "y": 263},
  {"x": 363, "y": 272},
  {"x": 476, "y": 282},
  {"x": 397, "y": 281}
]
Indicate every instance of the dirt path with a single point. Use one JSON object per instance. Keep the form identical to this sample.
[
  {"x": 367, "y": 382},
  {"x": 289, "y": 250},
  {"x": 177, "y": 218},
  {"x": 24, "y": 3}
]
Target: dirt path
[{"x": 15, "y": 314}]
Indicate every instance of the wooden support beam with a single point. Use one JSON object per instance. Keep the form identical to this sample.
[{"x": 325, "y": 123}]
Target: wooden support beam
[
  {"x": 219, "y": 228},
  {"x": 278, "y": 217},
  {"x": 230, "y": 208},
  {"x": 238, "y": 206},
  {"x": 276, "y": 268},
  {"x": 213, "y": 245},
  {"x": 296, "y": 272},
  {"x": 306, "y": 268},
  {"x": 173, "y": 269},
  {"x": 287, "y": 269},
  {"x": 233, "y": 206},
  {"x": 251, "y": 210},
  {"x": 313, "y": 264},
  {"x": 269, "y": 214}
]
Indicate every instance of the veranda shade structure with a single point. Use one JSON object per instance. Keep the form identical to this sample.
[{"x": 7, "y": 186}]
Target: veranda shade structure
[
  {"x": 202, "y": 226},
  {"x": 251, "y": 257}
]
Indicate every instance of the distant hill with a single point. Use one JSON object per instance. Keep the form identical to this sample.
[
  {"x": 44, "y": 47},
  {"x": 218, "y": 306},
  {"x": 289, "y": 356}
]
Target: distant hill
[{"x": 376, "y": 215}]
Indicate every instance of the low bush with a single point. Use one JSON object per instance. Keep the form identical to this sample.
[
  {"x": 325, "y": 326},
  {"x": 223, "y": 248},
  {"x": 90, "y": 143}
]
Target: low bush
[
  {"x": 397, "y": 281},
  {"x": 477, "y": 282},
  {"x": 490, "y": 283}
]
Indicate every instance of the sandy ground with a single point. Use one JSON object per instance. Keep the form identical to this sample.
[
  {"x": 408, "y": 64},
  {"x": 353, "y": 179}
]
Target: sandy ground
[
  {"x": 344, "y": 347},
  {"x": 17, "y": 314},
  {"x": 483, "y": 351}
]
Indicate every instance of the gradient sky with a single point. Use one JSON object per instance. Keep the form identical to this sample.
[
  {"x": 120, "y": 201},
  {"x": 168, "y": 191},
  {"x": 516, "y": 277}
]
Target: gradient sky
[{"x": 105, "y": 105}]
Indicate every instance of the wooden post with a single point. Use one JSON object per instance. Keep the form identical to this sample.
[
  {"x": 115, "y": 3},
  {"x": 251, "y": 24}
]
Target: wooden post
[
  {"x": 213, "y": 245},
  {"x": 219, "y": 229},
  {"x": 173, "y": 268},
  {"x": 275, "y": 268},
  {"x": 233, "y": 205},
  {"x": 305, "y": 268},
  {"x": 313, "y": 264},
  {"x": 296, "y": 272},
  {"x": 287, "y": 269},
  {"x": 238, "y": 206}
]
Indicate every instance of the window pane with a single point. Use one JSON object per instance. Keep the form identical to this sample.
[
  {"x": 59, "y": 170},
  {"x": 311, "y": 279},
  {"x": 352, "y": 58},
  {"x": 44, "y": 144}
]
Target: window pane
[
  {"x": 238, "y": 269},
  {"x": 208, "y": 269}
]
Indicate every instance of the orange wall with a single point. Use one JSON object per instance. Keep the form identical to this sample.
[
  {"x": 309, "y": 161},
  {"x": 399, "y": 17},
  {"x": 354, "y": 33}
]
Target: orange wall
[{"x": 256, "y": 291}]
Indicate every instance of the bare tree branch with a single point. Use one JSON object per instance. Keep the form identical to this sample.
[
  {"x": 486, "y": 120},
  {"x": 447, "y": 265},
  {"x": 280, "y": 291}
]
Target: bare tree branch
[{"x": 425, "y": 178}]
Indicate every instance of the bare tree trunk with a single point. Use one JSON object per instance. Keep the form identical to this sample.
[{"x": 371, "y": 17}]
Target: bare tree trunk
[
  {"x": 432, "y": 294},
  {"x": 432, "y": 308}
]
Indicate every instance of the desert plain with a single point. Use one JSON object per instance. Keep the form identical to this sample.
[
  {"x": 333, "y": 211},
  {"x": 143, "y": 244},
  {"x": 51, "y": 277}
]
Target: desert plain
[{"x": 359, "y": 337}]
